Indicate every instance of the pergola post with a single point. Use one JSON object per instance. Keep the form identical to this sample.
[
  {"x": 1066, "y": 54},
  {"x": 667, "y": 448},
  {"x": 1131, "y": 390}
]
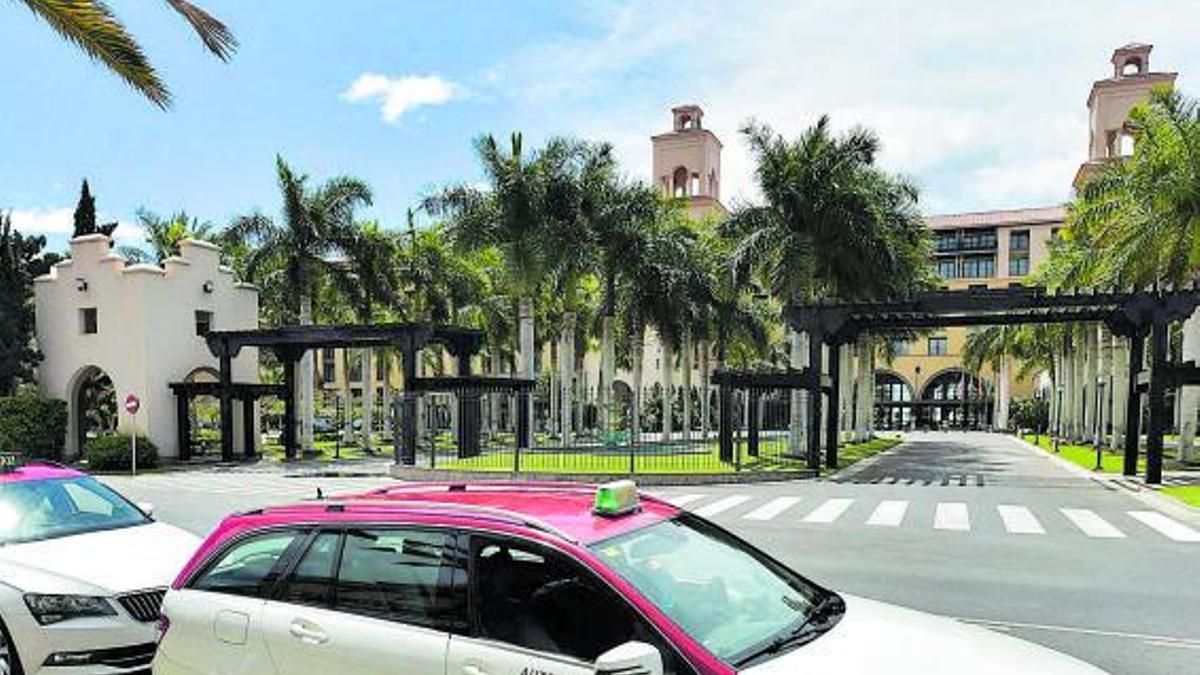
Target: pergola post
[
  {"x": 1133, "y": 403},
  {"x": 725, "y": 420},
  {"x": 814, "y": 400},
  {"x": 406, "y": 441},
  {"x": 754, "y": 399},
  {"x": 833, "y": 423},
  {"x": 249, "y": 444},
  {"x": 226, "y": 401},
  {"x": 290, "y": 446},
  {"x": 1156, "y": 398},
  {"x": 469, "y": 412}
]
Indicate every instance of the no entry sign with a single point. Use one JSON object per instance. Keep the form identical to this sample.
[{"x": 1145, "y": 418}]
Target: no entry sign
[{"x": 132, "y": 404}]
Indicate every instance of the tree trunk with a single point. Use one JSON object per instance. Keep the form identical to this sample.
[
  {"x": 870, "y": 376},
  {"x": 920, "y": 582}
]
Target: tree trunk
[
  {"x": 386, "y": 384},
  {"x": 368, "y": 398},
  {"x": 306, "y": 382},
  {"x": 566, "y": 362},
  {"x": 608, "y": 369},
  {"x": 668, "y": 387},
  {"x": 685, "y": 381},
  {"x": 526, "y": 345},
  {"x": 635, "y": 415},
  {"x": 705, "y": 378}
]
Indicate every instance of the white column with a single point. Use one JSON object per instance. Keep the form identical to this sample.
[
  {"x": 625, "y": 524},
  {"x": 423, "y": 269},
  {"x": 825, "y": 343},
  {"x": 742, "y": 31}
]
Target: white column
[
  {"x": 705, "y": 375},
  {"x": 685, "y": 381},
  {"x": 635, "y": 415},
  {"x": 1189, "y": 395},
  {"x": 305, "y": 382},
  {"x": 525, "y": 354},
  {"x": 347, "y": 400},
  {"x": 668, "y": 387},
  {"x": 608, "y": 370},
  {"x": 566, "y": 366},
  {"x": 797, "y": 359},
  {"x": 865, "y": 372},
  {"x": 1104, "y": 376},
  {"x": 1090, "y": 374},
  {"x": 1002, "y": 393},
  {"x": 1120, "y": 389},
  {"x": 368, "y": 397}
]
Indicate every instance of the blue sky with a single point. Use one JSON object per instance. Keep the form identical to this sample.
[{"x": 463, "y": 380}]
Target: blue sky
[{"x": 981, "y": 103}]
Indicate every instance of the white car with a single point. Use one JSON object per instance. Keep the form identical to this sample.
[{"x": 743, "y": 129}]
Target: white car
[
  {"x": 82, "y": 574},
  {"x": 536, "y": 579}
]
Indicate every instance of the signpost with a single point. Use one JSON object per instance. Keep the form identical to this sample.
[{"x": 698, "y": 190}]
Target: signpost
[{"x": 132, "y": 405}]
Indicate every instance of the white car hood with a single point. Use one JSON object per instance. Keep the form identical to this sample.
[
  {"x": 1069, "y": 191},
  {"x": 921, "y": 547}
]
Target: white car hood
[
  {"x": 106, "y": 562},
  {"x": 874, "y": 637}
]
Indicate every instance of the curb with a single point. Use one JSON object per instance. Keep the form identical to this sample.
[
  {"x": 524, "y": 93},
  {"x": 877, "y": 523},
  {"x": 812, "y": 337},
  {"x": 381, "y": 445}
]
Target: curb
[
  {"x": 410, "y": 473},
  {"x": 1146, "y": 495},
  {"x": 842, "y": 474}
]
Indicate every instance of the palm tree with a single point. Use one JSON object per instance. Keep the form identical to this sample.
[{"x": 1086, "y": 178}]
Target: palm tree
[
  {"x": 832, "y": 223},
  {"x": 93, "y": 27},
  {"x": 514, "y": 215},
  {"x": 164, "y": 235},
  {"x": 295, "y": 255}
]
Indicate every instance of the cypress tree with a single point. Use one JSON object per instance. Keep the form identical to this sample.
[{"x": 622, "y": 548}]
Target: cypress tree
[
  {"x": 85, "y": 215},
  {"x": 19, "y": 259}
]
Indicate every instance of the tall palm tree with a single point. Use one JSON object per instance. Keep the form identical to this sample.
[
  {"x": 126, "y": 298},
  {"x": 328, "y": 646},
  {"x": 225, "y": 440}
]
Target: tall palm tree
[
  {"x": 93, "y": 27},
  {"x": 514, "y": 215},
  {"x": 832, "y": 224},
  {"x": 297, "y": 253},
  {"x": 163, "y": 235}
]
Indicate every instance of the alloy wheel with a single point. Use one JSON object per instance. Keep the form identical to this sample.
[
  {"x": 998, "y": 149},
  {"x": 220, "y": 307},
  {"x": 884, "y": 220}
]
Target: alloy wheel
[{"x": 6, "y": 657}]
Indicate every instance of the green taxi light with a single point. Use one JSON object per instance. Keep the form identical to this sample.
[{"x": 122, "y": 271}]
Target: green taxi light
[
  {"x": 11, "y": 461},
  {"x": 616, "y": 499}
]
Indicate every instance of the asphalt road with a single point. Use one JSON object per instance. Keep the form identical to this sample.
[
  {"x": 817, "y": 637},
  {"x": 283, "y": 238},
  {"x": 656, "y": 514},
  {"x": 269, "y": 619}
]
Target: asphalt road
[{"x": 974, "y": 526}]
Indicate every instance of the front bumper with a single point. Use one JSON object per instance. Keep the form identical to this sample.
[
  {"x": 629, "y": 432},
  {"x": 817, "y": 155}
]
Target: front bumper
[{"x": 116, "y": 645}]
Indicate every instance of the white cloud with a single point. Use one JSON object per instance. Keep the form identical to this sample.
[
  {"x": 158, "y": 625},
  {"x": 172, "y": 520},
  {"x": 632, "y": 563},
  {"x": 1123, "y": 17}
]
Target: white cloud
[
  {"x": 398, "y": 95},
  {"x": 44, "y": 221}
]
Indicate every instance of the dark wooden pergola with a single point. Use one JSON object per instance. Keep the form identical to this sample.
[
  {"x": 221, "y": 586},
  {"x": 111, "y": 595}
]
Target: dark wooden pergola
[
  {"x": 289, "y": 344},
  {"x": 247, "y": 393},
  {"x": 1134, "y": 315}
]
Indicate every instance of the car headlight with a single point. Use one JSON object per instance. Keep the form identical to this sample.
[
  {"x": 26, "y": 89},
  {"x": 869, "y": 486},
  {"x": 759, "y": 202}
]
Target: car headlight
[{"x": 48, "y": 609}]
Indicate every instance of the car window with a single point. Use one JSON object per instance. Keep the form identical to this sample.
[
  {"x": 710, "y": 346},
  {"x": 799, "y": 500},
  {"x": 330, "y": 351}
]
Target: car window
[
  {"x": 540, "y": 600},
  {"x": 46, "y": 509},
  {"x": 311, "y": 582},
  {"x": 402, "y": 576},
  {"x": 249, "y": 567}
]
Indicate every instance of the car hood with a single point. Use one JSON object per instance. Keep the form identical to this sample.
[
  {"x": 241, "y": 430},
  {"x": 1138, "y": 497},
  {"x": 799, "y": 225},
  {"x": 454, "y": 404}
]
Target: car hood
[
  {"x": 103, "y": 563},
  {"x": 874, "y": 637}
]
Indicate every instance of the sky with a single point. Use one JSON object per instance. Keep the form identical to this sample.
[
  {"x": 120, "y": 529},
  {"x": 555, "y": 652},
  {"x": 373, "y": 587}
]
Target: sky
[{"x": 981, "y": 103}]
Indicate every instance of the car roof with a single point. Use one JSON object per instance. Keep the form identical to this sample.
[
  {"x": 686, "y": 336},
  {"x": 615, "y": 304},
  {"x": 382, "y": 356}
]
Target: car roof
[
  {"x": 559, "y": 510},
  {"x": 38, "y": 471}
]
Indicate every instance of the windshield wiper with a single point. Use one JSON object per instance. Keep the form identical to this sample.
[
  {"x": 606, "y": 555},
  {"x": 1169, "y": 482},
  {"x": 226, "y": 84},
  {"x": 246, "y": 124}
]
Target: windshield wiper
[{"x": 819, "y": 620}]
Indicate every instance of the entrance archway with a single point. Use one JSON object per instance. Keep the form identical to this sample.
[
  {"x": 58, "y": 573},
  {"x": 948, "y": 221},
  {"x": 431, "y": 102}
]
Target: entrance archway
[
  {"x": 956, "y": 398},
  {"x": 894, "y": 405},
  {"x": 93, "y": 408}
]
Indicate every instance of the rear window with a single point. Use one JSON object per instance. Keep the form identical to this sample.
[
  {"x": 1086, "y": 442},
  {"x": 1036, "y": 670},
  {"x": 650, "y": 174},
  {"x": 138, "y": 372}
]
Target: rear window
[{"x": 248, "y": 567}]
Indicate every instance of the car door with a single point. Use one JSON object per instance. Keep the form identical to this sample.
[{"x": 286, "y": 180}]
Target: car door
[
  {"x": 371, "y": 601},
  {"x": 216, "y": 619},
  {"x": 535, "y": 611}
]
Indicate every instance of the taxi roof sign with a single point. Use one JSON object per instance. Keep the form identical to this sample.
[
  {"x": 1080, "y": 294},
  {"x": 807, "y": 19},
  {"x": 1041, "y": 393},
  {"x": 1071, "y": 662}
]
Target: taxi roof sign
[
  {"x": 615, "y": 499},
  {"x": 11, "y": 461}
]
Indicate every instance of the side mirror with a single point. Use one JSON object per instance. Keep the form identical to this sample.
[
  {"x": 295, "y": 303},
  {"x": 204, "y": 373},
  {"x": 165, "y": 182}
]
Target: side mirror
[
  {"x": 631, "y": 657},
  {"x": 146, "y": 508}
]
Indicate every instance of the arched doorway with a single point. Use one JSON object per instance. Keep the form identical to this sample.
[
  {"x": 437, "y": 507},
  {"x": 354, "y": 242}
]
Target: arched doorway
[
  {"x": 204, "y": 413},
  {"x": 93, "y": 408},
  {"x": 622, "y": 405},
  {"x": 894, "y": 405},
  {"x": 958, "y": 399}
]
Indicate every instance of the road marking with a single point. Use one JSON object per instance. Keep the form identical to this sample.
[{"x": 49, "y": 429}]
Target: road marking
[
  {"x": 683, "y": 500},
  {"x": 1165, "y": 526},
  {"x": 772, "y": 509},
  {"x": 889, "y": 513},
  {"x": 721, "y": 505},
  {"x": 1164, "y": 640},
  {"x": 952, "y": 516},
  {"x": 1092, "y": 524},
  {"x": 1019, "y": 520},
  {"x": 829, "y": 511}
]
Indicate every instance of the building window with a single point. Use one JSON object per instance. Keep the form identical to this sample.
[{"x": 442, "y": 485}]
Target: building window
[
  {"x": 946, "y": 242},
  {"x": 900, "y": 347},
  {"x": 328, "y": 365},
  {"x": 1018, "y": 265},
  {"x": 978, "y": 240},
  {"x": 938, "y": 346},
  {"x": 87, "y": 321},
  {"x": 947, "y": 269},
  {"x": 203, "y": 322},
  {"x": 978, "y": 267},
  {"x": 1018, "y": 240}
]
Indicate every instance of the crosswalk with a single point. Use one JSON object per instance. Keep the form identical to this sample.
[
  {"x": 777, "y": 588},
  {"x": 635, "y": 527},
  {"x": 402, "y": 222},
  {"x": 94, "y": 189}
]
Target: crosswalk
[{"x": 949, "y": 516}]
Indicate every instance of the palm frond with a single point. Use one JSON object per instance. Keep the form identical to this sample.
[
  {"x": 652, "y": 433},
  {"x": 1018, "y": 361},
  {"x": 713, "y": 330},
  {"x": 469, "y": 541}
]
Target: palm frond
[{"x": 215, "y": 35}]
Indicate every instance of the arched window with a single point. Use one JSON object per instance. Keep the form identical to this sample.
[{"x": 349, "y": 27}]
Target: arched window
[
  {"x": 948, "y": 386},
  {"x": 679, "y": 182},
  {"x": 1131, "y": 67},
  {"x": 890, "y": 387}
]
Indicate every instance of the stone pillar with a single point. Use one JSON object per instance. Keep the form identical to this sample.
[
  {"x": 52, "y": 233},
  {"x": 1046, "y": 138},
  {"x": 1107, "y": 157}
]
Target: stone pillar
[
  {"x": 527, "y": 359},
  {"x": 668, "y": 388},
  {"x": 1104, "y": 382},
  {"x": 368, "y": 397},
  {"x": 304, "y": 390},
  {"x": 705, "y": 388},
  {"x": 1090, "y": 374},
  {"x": 685, "y": 381},
  {"x": 1120, "y": 389},
  {"x": 608, "y": 371},
  {"x": 1002, "y": 393},
  {"x": 1189, "y": 395},
  {"x": 864, "y": 389},
  {"x": 566, "y": 367}
]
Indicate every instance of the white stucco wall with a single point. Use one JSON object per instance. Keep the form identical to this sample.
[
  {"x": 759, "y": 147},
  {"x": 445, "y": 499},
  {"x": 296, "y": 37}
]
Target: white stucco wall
[{"x": 146, "y": 323}]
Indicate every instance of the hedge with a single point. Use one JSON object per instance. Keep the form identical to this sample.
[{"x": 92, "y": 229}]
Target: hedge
[
  {"x": 33, "y": 426},
  {"x": 111, "y": 453}
]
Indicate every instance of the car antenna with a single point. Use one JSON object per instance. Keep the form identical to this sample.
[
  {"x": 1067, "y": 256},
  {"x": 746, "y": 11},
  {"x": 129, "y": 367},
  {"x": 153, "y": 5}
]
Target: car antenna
[{"x": 320, "y": 494}]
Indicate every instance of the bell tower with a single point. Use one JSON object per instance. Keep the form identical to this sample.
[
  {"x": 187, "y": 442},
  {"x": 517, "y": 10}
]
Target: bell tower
[
  {"x": 1111, "y": 100},
  {"x": 687, "y": 161}
]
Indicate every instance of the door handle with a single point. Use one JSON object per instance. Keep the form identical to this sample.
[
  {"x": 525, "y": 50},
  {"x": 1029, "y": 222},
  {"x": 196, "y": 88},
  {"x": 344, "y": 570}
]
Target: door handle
[{"x": 308, "y": 633}]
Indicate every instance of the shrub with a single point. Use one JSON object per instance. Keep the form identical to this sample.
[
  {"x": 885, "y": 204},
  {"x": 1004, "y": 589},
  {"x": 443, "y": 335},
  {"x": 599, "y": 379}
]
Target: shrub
[
  {"x": 111, "y": 453},
  {"x": 1030, "y": 413},
  {"x": 33, "y": 426}
]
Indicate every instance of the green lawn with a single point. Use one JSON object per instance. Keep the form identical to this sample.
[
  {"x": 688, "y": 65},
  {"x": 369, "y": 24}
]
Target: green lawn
[
  {"x": 327, "y": 450},
  {"x": 1188, "y": 494},
  {"x": 1085, "y": 455},
  {"x": 652, "y": 461}
]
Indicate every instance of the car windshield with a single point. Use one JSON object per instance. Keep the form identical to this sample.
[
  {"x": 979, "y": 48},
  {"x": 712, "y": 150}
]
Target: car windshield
[
  {"x": 45, "y": 509},
  {"x": 729, "y": 597}
]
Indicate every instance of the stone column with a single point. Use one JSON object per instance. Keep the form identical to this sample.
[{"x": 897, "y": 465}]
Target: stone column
[
  {"x": 608, "y": 371},
  {"x": 1090, "y": 373},
  {"x": 1120, "y": 389},
  {"x": 668, "y": 388},
  {"x": 566, "y": 367},
  {"x": 1002, "y": 393},
  {"x": 846, "y": 396},
  {"x": 526, "y": 356},
  {"x": 864, "y": 388},
  {"x": 1190, "y": 395},
  {"x": 305, "y": 386},
  {"x": 705, "y": 388},
  {"x": 368, "y": 397},
  {"x": 1104, "y": 378},
  {"x": 685, "y": 381}
]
